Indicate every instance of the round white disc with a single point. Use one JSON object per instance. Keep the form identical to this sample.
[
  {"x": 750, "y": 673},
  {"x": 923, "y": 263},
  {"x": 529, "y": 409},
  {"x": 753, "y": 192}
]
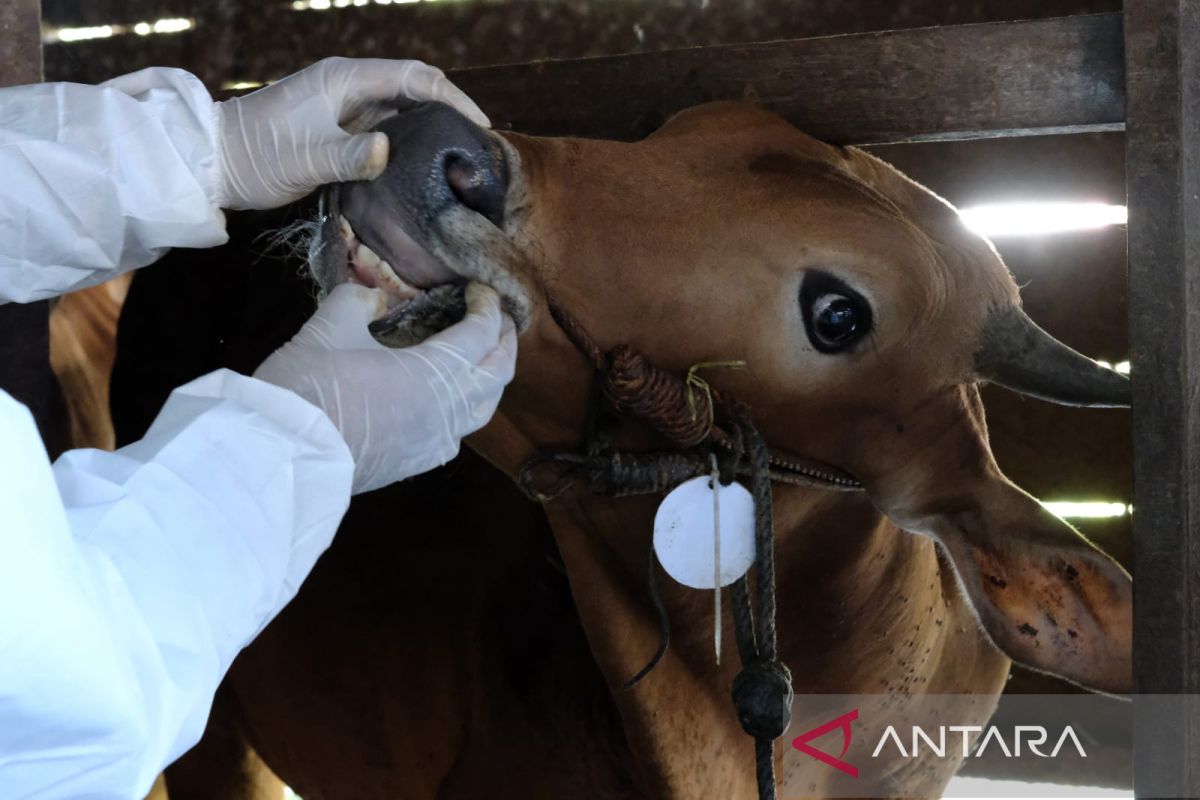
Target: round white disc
[{"x": 683, "y": 533}]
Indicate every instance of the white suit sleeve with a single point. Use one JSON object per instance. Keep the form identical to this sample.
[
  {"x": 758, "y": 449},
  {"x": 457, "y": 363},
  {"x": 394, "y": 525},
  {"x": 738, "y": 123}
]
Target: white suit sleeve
[
  {"x": 98, "y": 180},
  {"x": 130, "y": 580}
]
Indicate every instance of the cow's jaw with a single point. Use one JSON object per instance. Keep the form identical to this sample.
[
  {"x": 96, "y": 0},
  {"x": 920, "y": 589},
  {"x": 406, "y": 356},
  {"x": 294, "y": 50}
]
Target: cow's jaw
[{"x": 423, "y": 261}]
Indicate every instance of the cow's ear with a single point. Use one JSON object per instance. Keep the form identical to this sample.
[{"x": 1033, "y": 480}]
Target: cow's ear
[{"x": 1046, "y": 596}]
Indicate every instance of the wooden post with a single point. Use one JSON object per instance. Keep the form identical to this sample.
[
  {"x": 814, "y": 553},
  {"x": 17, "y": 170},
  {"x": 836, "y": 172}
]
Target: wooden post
[
  {"x": 20, "y": 42},
  {"x": 25, "y": 329},
  {"x": 1163, "y": 168}
]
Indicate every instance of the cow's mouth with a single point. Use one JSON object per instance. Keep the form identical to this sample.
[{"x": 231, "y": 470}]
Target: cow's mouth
[
  {"x": 424, "y": 296},
  {"x": 435, "y": 220}
]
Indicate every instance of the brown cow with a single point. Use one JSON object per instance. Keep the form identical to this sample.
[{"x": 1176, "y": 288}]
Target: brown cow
[
  {"x": 83, "y": 344},
  {"x": 866, "y": 313}
]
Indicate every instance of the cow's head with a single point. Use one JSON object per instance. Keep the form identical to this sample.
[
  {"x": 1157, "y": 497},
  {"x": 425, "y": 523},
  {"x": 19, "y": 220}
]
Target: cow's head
[{"x": 866, "y": 312}]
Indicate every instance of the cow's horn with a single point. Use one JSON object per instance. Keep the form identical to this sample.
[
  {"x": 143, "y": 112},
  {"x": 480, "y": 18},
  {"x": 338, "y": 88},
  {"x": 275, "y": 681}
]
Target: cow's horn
[{"x": 1016, "y": 354}]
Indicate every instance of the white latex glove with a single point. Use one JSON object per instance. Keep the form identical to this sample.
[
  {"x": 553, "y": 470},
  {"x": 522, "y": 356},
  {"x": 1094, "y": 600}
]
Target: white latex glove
[
  {"x": 401, "y": 411},
  {"x": 280, "y": 143}
]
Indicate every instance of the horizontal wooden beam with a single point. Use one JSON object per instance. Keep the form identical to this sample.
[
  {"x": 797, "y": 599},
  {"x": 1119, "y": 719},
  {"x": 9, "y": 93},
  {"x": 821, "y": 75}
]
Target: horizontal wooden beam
[{"x": 1061, "y": 75}]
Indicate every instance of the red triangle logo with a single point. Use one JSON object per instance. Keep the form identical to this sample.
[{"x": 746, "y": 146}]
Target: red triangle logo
[{"x": 801, "y": 742}]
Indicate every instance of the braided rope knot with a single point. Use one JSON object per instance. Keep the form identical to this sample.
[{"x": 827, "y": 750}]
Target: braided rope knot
[
  {"x": 657, "y": 398},
  {"x": 762, "y": 696}
]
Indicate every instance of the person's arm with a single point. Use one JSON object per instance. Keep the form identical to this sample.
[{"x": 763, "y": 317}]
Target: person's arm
[
  {"x": 99, "y": 180},
  {"x": 130, "y": 580},
  {"x": 103, "y": 179}
]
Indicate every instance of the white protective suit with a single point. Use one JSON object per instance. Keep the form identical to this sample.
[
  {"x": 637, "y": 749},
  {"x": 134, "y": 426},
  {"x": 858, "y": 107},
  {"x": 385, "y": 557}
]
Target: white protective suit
[
  {"x": 160, "y": 561},
  {"x": 130, "y": 580}
]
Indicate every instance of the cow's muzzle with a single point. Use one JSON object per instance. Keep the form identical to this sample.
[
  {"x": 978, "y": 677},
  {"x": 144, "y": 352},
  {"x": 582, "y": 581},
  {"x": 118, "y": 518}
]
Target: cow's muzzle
[
  {"x": 438, "y": 159},
  {"x": 447, "y": 180}
]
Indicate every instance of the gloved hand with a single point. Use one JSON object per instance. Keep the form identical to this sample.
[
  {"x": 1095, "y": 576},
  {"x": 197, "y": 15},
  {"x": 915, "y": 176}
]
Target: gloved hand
[
  {"x": 278, "y": 144},
  {"x": 401, "y": 411}
]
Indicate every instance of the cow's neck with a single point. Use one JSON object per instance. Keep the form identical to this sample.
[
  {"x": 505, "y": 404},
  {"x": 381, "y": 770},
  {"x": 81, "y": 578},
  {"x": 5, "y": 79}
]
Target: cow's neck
[{"x": 863, "y": 608}]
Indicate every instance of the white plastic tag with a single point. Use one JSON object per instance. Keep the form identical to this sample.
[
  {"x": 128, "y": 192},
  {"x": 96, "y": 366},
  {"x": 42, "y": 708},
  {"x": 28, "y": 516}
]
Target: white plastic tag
[{"x": 684, "y": 528}]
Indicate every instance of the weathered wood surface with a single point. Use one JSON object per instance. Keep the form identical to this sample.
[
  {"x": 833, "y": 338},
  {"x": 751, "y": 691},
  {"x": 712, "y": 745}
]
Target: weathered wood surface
[
  {"x": 20, "y": 42},
  {"x": 1163, "y": 168},
  {"x": 994, "y": 79},
  {"x": 243, "y": 40},
  {"x": 25, "y": 329}
]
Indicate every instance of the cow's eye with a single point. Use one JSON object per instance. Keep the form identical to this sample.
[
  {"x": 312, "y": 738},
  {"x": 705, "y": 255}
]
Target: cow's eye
[{"x": 835, "y": 316}]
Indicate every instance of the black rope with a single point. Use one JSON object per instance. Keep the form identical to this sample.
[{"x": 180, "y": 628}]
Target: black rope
[
  {"x": 762, "y": 691},
  {"x": 764, "y": 767},
  {"x": 743, "y": 621},
  {"x": 664, "y": 622},
  {"x": 764, "y": 541}
]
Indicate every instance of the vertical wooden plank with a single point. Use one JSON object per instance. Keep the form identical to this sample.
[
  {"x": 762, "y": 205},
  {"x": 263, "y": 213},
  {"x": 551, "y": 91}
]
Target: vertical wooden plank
[
  {"x": 20, "y": 42},
  {"x": 25, "y": 329},
  {"x": 1163, "y": 163}
]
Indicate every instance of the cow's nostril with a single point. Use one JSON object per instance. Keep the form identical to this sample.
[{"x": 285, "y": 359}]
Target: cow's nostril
[
  {"x": 477, "y": 180},
  {"x": 440, "y": 160}
]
